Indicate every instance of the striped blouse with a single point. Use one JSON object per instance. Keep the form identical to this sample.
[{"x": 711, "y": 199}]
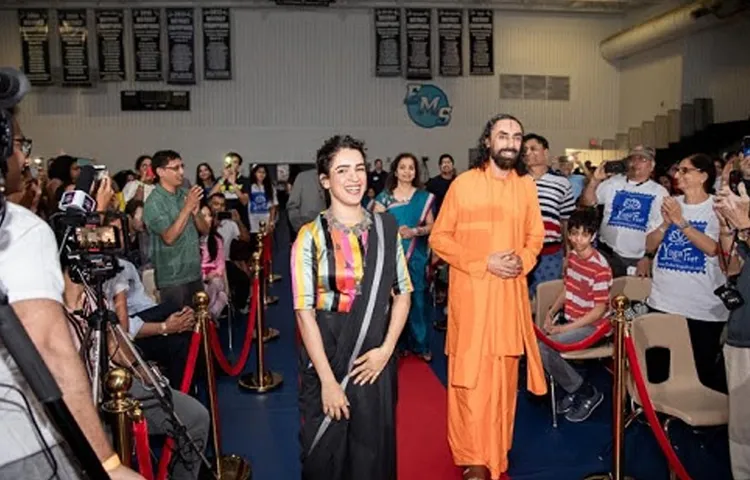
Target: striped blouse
[{"x": 328, "y": 265}]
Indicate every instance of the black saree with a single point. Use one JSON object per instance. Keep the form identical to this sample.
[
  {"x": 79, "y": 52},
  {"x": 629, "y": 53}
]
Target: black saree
[{"x": 363, "y": 447}]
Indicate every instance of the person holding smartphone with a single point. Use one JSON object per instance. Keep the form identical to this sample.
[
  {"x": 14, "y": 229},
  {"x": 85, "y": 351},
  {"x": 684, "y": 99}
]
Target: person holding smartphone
[
  {"x": 632, "y": 209},
  {"x": 733, "y": 210}
]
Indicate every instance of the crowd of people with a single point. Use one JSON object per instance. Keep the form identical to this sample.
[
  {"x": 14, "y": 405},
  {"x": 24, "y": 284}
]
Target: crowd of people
[{"x": 373, "y": 251}]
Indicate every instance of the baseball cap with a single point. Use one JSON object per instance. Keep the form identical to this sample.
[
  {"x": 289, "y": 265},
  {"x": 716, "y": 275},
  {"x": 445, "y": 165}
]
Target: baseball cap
[{"x": 642, "y": 151}]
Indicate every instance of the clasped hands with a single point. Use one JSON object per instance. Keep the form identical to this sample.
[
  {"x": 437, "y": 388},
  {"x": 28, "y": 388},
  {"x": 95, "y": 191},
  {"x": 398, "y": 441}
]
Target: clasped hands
[
  {"x": 505, "y": 264},
  {"x": 366, "y": 370}
]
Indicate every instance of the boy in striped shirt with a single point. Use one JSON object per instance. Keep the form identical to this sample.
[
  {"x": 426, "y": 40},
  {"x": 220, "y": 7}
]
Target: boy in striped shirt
[{"x": 583, "y": 304}]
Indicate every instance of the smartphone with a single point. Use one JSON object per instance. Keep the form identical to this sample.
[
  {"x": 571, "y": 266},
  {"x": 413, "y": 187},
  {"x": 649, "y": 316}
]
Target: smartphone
[
  {"x": 615, "y": 167},
  {"x": 224, "y": 215},
  {"x": 746, "y": 146},
  {"x": 735, "y": 178},
  {"x": 101, "y": 172}
]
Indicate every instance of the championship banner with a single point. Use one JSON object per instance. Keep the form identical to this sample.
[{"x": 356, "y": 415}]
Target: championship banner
[
  {"x": 147, "y": 44},
  {"x": 110, "y": 28},
  {"x": 33, "y": 24},
  {"x": 73, "y": 29},
  {"x": 181, "y": 46},
  {"x": 481, "y": 41},
  {"x": 387, "y": 42}
]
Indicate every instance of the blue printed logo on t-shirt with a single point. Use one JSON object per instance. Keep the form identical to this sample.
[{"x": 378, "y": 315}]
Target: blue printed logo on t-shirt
[
  {"x": 258, "y": 202},
  {"x": 630, "y": 210},
  {"x": 678, "y": 253}
]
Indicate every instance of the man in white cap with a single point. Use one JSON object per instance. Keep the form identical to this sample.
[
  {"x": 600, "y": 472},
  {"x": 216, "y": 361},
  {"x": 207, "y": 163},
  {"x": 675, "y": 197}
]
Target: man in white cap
[{"x": 632, "y": 209}]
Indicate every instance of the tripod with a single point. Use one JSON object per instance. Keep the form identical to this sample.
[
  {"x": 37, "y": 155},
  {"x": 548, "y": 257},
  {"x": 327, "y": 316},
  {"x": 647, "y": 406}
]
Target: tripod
[
  {"x": 101, "y": 318},
  {"x": 46, "y": 390}
]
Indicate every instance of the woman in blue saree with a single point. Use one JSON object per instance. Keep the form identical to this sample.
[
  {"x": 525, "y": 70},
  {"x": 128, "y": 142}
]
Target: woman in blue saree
[{"x": 404, "y": 198}]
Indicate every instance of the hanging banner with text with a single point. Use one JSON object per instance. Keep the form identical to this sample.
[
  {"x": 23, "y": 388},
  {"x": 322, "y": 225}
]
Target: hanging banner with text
[
  {"x": 450, "y": 41},
  {"x": 387, "y": 42},
  {"x": 217, "y": 44},
  {"x": 481, "y": 58},
  {"x": 34, "y": 28},
  {"x": 418, "y": 44},
  {"x": 147, "y": 44},
  {"x": 181, "y": 46},
  {"x": 110, "y": 26},
  {"x": 74, "y": 47}
]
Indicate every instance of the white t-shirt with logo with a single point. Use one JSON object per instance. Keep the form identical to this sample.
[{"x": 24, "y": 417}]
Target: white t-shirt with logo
[
  {"x": 29, "y": 270},
  {"x": 259, "y": 207},
  {"x": 684, "y": 278},
  {"x": 631, "y": 211}
]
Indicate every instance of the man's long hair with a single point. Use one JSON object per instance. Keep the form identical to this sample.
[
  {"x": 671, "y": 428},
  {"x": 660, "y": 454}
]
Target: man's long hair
[{"x": 483, "y": 158}]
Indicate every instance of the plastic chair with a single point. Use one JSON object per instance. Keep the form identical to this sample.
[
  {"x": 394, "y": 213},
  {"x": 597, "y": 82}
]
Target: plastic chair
[{"x": 681, "y": 395}]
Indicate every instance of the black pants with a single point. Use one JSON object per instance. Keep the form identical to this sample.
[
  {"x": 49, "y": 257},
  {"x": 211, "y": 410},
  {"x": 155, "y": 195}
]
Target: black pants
[
  {"x": 705, "y": 338},
  {"x": 618, "y": 264},
  {"x": 169, "y": 351}
]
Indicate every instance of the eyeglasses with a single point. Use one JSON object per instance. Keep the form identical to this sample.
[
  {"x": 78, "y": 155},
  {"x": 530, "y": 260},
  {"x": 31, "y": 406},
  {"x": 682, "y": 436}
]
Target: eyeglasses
[
  {"x": 684, "y": 170},
  {"x": 26, "y": 145},
  {"x": 176, "y": 168}
]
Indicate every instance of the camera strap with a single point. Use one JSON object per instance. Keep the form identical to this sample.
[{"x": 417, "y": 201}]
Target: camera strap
[{"x": 724, "y": 256}]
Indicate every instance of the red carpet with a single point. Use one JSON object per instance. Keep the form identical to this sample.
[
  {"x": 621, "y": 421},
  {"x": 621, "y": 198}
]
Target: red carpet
[{"x": 423, "y": 451}]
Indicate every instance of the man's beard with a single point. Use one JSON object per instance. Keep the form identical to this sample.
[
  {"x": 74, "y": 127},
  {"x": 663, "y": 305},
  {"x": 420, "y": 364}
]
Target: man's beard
[{"x": 503, "y": 162}]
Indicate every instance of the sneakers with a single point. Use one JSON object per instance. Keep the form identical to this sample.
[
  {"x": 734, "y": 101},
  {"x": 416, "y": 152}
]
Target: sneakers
[
  {"x": 566, "y": 403},
  {"x": 583, "y": 407}
]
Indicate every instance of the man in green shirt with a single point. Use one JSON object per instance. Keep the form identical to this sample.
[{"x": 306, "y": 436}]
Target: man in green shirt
[{"x": 172, "y": 215}]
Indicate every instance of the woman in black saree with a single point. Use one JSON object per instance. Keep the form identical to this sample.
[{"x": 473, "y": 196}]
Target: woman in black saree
[{"x": 351, "y": 290}]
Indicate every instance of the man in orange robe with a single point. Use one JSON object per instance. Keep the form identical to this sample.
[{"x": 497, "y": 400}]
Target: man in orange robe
[{"x": 490, "y": 232}]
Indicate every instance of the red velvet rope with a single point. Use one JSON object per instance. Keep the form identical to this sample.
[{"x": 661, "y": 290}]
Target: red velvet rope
[
  {"x": 142, "y": 451},
  {"x": 601, "y": 330},
  {"x": 187, "y": 380},
  {"x": 648, "y": 408},
  {"x": 236, "y": 369}
]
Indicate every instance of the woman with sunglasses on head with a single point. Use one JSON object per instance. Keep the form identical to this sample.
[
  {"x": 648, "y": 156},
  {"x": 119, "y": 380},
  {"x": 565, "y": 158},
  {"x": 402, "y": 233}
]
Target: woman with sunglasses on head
[
  {"x": 351, "y": 291},
  {"x": 687, "y": 268}
]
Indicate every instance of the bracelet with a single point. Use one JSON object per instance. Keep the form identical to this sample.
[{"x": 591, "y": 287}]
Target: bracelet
[{"x": 111, "y": 463}]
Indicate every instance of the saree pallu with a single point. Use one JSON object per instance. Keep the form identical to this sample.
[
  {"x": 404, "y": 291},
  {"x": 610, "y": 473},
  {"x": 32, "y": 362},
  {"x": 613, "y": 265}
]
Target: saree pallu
[{"x": 363, "y": 447}]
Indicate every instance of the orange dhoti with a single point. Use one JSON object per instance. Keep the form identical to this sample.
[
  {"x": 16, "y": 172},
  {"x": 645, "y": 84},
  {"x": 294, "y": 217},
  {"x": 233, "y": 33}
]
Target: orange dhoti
[
  {"x": 480, "y": 423},
  {"x": 489, "y": 317}
]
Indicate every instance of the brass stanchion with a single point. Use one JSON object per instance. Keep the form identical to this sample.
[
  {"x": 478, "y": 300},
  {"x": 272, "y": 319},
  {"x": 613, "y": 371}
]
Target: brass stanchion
[
  {"x": 120, "y": 406},
  {"x": 228, "y": 467},
  {"x": 264, "y": 380},
  {"x": 620, "y": 323},
  {"x": 267, "y": 299}
]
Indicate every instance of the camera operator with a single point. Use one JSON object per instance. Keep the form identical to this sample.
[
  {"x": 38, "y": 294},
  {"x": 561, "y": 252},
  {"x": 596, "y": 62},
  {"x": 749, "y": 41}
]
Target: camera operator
[
  {"x": 734, "y": 214},
  {"x": 632, "y": 209},
  {"x": 30, "y": 276}
]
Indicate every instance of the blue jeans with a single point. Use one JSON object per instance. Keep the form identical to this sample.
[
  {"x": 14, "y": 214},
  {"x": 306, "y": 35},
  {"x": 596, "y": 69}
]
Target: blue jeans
[{"x": 559, "y": 368}]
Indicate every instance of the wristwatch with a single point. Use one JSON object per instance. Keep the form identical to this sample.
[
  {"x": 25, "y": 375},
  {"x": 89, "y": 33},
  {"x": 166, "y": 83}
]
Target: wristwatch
[{"x": 164, "y": 328}]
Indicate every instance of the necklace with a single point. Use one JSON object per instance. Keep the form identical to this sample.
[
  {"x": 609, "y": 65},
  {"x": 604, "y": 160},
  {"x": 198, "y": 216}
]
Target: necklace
[{"x": 357, "y": 229}]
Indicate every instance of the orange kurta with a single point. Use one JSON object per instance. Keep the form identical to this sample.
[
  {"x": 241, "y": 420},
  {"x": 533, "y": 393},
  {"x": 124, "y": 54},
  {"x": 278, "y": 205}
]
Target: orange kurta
[{"x": 489, "y": 318}]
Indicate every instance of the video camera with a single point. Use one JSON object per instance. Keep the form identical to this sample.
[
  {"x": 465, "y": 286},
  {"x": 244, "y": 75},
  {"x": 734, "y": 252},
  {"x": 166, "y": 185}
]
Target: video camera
[{"x": 90, "y": 243}]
